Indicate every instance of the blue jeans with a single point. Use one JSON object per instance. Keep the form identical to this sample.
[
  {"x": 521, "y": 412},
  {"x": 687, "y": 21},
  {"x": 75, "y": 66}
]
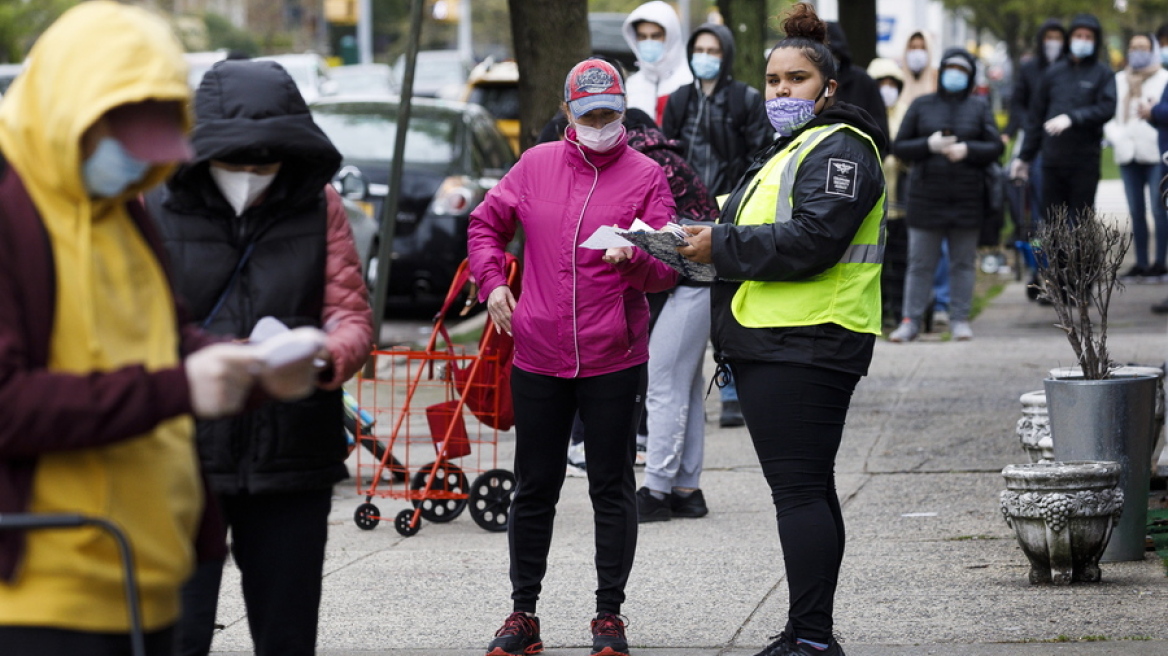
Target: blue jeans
[
  {"x": 941, "y": 280},
  {"x": 1139, "y": 179}
]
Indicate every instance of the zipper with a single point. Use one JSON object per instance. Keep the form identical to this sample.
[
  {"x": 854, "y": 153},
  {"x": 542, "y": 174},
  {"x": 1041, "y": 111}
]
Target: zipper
[{"x": 575, "y": 273}]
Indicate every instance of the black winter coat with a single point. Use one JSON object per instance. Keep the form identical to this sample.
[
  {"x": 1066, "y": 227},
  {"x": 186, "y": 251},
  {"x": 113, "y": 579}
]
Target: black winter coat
[
  {"x": 944, "y": 194},
  {"x": 254, "y": 107},
  {"x": 1029, "y": 76}
]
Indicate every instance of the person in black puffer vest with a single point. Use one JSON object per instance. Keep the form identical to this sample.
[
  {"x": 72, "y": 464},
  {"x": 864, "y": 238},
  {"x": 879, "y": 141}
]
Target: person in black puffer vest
[{"x": 254, "y": 230}]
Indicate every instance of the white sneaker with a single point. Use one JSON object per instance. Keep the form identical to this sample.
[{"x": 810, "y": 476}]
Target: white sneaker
[
  {"x": 940, "y": 318},
  {"x": 576, "y": 453},
  {"x": 961, "y": 331},
  {"x": 576, "y": 470},
  {"x": 907, "y": 331}
]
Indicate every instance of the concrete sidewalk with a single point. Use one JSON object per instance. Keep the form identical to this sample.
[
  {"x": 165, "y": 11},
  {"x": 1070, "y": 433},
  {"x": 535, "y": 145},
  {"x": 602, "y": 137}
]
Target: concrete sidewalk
[{"x": 931, "y": 566}]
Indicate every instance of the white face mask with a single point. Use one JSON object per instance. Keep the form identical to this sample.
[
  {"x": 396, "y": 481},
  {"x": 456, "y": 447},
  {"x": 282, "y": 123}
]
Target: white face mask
[
  {"x": 240, "y": 188},
  {"x": 889, "y": 94},
  {"x": 917, "y": 59},
  {"x": 602, "y": 139}
]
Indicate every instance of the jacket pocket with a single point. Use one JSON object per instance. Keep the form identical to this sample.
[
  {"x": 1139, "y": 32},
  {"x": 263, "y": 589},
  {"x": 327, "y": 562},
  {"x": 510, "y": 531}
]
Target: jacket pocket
[{"x": 306, "y": 434}]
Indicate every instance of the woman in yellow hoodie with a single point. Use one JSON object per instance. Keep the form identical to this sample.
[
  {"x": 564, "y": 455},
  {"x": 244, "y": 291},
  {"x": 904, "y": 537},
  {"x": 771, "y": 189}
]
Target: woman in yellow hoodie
[{"x": 96, "y": 397}]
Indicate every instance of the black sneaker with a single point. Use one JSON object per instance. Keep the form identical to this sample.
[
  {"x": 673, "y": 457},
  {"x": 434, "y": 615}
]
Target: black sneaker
[
  {"x": 1161, "y": 307},
  {"x": 785, "y": 645},
  {"x": 693, "y": 505},
  {"x": 650, "y": 508},
  {"x": 608, "y": 635},
  {"x": 1135, "y": 272},
  {"x": 519, "y": 636},
  {"x": 731, "y": 415}
]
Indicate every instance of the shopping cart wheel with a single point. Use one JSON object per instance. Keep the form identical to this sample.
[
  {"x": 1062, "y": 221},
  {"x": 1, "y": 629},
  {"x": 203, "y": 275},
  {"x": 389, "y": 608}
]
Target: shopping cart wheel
[
  {"x": 402, "y": 523},
  {"x": 449, "y": 478},
  {"x": 490, "y": 499},
  {"x": 367, "y": 516}
]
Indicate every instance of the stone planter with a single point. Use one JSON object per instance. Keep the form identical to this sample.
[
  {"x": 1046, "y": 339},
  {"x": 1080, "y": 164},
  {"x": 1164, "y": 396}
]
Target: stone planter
[
  {"x": 1033, "y": 428},
  {"x": 1063, "y": 514}
]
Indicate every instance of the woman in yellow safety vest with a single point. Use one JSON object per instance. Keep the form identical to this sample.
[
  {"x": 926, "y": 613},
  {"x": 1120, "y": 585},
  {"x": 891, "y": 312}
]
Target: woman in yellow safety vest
[{"x": 796, "y": 308}]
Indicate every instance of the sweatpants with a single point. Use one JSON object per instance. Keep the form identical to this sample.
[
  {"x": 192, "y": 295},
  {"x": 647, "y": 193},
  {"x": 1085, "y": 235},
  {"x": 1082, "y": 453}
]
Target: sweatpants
[
  {"x": 278, "y": 542},
  {"x": 674, "y": 401},
  {"x": 1072, "y": 187},
  {"x": 795, "y": 415},
  {"x": 924, "y": 249},
  {"x": 544, "y": 408}
]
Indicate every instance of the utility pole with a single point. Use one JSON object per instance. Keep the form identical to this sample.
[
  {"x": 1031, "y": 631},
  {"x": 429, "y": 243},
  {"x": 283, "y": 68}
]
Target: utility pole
[
  {"x": 465, "y": 44},
  {"x": 365, "y": 31}
]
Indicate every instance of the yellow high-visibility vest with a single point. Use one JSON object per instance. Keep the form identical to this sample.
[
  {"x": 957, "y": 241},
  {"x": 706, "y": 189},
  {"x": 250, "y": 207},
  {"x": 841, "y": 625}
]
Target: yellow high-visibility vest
[{"x": 848, "y": 293}]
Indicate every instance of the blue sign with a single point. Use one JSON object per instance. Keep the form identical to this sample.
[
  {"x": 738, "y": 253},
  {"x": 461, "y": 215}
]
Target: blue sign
[{"x": 885, "y": 26}]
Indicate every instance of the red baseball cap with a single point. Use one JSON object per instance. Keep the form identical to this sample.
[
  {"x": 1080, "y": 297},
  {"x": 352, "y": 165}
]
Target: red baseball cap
[
  {"x": 594, "y": 84},
  {"x": 151, "y": 130}
]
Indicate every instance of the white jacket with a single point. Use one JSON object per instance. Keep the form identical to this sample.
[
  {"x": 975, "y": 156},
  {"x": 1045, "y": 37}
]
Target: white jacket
[
  {"x": 1133, "y": 139},
  {"x": 653, "y": 82}
]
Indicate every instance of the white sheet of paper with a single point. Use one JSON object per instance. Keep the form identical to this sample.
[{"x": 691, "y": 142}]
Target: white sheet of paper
[
  {"x": 266, "y": 327},
  {"x": 640, "y": 225},
  {"x": 290, "y": 346},
  {"x": 604, "y": 238}
]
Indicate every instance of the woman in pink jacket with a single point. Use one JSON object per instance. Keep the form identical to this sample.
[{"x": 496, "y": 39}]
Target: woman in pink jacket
[{"x": 581, "y": 338}]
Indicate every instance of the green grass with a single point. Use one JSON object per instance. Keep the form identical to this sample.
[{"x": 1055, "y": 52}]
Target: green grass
[{"x": 1109, "y": 169}]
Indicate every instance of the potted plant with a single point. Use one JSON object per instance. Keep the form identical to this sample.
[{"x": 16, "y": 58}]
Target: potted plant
[{"x": 1099, "y": 415}]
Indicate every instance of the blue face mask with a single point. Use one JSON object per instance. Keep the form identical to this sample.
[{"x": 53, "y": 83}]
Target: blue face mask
[
  {"x": 789, "y": 114},
  {"x": 705, "y": 66},
  {"x": 110, "y": 170},
  {"x": 953, "y": 80},
  {"x": 651, "y": 51},
  {"x": 1139, "y": 58},
  {"x": 1081, "y": 48}
]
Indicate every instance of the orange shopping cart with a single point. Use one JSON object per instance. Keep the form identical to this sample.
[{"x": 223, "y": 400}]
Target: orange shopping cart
[{"x": 445, "y": 407}]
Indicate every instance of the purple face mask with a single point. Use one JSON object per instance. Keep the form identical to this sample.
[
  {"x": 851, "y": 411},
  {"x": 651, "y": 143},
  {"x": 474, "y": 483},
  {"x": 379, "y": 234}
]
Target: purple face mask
[{"x": 789, "y": 114}]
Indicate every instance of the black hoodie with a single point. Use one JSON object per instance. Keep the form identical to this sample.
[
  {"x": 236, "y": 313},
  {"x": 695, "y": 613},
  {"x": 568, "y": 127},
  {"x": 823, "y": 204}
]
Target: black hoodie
[
  {"x": 820, "y": 231},
  {"x": 856, "y": 87},
  {"x": 722, "y": 131},
  {"x": 1029, "y": 75},
  {"x": 1084, "y": 90}
]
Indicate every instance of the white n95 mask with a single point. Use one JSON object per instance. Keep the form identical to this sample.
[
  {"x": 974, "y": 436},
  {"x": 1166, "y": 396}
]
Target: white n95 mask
[{"x": 240, "y": 188}]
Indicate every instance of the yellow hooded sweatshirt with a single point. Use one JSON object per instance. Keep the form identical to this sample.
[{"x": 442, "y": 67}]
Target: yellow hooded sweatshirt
[{"x": 113, "y": 308}]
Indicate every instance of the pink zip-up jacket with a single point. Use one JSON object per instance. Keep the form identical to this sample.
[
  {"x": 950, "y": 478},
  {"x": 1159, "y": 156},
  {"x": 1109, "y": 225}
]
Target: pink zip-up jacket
[{"x": 577, "y": 316}]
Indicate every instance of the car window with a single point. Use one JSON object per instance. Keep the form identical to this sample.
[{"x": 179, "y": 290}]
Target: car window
[
  {"x": 496, "y": 152},
  {"x": 501, "y": 101},
  {"x": 366, "y": 132}
]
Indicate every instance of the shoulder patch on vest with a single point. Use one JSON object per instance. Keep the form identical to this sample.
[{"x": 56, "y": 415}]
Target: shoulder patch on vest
[{"x": 841, "y": 177}]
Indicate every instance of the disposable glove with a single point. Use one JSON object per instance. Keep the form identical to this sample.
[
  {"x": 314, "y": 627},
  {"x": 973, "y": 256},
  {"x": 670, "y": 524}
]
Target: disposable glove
[
  {"x": 1019, "y": 170},
  {"x": 957, "y": 152},
  {"x": 1055, "y": 126},
  {"x": 938, "y": 142},
  {"x": 220, "y": 377},
  {"x": 288, "y": 369}
]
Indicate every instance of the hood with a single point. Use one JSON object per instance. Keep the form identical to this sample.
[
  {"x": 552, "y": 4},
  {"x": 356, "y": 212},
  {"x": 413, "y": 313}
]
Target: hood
[
  {"x": 963, "y": 54},
  {"x": 928, "y": 48},
  {"x": 664, "y": 15},
  {"x": 132, "y": 56},
  {"x": 837, "y": 41},
  {"x": 726, "y": 38},
  {"x": 883, "y": 67},
  {"x": 842, "y": 112},
  {"x": 1048, "y": 25},
  {"x": 1090, "y": 22},
  {"x": 244, "y": 105}
]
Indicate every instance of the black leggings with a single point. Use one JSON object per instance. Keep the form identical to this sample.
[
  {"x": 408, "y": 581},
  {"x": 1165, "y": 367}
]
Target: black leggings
[
  {"x": 46, "y": 641},
  {"x": 795, "y": 415},
  {"x": 544, "y": 408}
]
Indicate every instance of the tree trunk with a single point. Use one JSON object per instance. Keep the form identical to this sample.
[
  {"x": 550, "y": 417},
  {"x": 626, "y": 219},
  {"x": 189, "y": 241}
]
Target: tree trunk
[
  {"x": 549, "y": 37},
  {"x": 747, "y": 20},
  {"x": 858, "y": 20}
]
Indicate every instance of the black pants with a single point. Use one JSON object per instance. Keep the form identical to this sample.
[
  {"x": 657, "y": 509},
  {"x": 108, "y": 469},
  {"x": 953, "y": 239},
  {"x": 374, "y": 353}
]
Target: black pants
[
  {"x": 277, "y": 541},
  {"x": 1072, "y": 187},
  {"x": 38, "y": 641},
  {"x": 795, "y": 415},
  {"x": 544, "y": 408}
]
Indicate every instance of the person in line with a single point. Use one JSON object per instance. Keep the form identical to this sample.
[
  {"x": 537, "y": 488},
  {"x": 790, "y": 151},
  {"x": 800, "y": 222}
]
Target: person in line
[
  {"x": 653, "y": 32},
  {"x": 581, "y": 339},
  {"x": 856, "y": 87},
  {"x": 100, "y": 372},
  {"x": 890, "y": 81},
  {"x": 1075, "y": 97},
  {"x": 254, "y": 230},
  {"x": 796, "y": 308},
  {"x": 1135, "y": 145},
  {"x": 679, "y": 328},
  {"x": 948, "y": 138},
  {"x": 921, "y": 75},
  {"x": 722, "y": 124},
  {"x": 1050, "y": 45},
  {"x": 1157, "y": 116}
]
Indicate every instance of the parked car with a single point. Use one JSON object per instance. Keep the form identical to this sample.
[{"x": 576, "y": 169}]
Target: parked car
[
  {"x": 437, "y": 73},
  {"x": 310, "y": 72},
  {"x": 364, "y": 233},
  {"x": 495, "y": 86},
  {"x": 454, "y": 153},
  {"x": 8, "y": 73},
  {"x": 608, "y": 38},
  {"x": 363, "y": 79}
]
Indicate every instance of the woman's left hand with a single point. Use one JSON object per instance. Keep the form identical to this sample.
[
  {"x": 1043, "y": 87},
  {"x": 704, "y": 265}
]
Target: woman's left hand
[
  {"x": 618, "y": 255},
  {"x": 700, "y": 245}
]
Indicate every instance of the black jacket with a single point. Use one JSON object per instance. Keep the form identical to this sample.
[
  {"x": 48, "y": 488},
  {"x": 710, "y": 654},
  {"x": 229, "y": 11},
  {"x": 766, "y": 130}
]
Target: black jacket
[
  {"x": 253, "y": 106},
  {"x": 856, "y": 87},
  {"x": 720, "y": 132},
  {"x": 1029, "y": 75},
  {"x": 944, "y": 194},
  {"x": 1084, "y": 90},
  {"x": 820, "y": 231}
]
